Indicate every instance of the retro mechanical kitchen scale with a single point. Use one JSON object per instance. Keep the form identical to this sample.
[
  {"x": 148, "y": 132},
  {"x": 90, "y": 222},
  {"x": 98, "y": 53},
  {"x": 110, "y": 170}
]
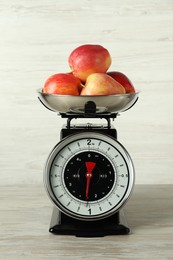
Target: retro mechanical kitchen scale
[{"x": 89, "y": 175}]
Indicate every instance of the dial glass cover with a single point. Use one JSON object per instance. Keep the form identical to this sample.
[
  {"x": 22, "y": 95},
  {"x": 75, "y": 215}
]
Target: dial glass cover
[{"x": 89, "y": 175}]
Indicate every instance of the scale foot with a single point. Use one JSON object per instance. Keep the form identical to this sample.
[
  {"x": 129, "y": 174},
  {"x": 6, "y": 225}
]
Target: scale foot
[
  {"x": 79, "y": 231},
  {"x": 63, "y": 225}
]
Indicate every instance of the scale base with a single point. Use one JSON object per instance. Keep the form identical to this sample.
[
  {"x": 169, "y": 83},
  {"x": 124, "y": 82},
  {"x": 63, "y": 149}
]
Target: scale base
[{"x": 64, "y": 225}]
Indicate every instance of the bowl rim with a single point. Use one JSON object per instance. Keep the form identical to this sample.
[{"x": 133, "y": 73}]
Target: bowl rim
[{"x": 92, "y": 96}]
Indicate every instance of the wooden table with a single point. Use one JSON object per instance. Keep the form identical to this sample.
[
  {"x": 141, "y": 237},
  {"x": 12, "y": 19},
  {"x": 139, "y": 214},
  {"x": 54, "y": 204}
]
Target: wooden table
[{"x": 25, "y": 214}]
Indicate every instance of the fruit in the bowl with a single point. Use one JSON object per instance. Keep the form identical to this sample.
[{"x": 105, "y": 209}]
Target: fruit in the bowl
[
  {"x": 62, "y": 84},
  {"x": 123, "y": 80},
  {"x": 88, "y": 59},
  {"x": 101, "y": 84}
]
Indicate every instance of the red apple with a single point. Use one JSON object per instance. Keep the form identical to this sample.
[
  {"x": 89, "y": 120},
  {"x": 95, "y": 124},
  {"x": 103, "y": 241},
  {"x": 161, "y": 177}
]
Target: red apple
[
  {"x": 123, "y": 80},
  {"x": 101, "y": 84},
  {"x": 62, "y": 84},
  {"x": 88, "y": 59}
]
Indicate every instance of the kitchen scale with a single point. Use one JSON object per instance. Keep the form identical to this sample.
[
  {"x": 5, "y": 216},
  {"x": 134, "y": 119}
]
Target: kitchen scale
[{"x": 89, "y": 175}]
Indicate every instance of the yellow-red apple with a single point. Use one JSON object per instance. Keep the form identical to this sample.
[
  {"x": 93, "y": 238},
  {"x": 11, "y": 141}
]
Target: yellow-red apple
[
  {"x": 123, "y": 80},
  {"x": 62, "y": 84},
  {"x": 88, "y": 59},
  {"x": 101, "y": 84}
]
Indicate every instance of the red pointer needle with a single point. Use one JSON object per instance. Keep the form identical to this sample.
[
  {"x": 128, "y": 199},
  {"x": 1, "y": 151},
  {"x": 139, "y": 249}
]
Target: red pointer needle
[{"x": 90, "y": 166}]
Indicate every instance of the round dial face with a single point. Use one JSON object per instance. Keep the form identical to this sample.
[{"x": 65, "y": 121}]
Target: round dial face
[{"x": 89, "y": 176}]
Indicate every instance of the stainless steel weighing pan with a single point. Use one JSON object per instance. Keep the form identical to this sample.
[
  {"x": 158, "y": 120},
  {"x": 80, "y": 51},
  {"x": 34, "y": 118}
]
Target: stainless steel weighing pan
[{"x": 67, "y": 103}]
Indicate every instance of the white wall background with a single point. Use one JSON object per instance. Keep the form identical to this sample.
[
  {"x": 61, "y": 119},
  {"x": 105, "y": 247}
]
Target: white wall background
[{"x": 36, "y": 38}]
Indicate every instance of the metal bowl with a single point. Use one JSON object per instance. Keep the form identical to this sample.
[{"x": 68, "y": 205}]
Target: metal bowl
[{"x": 67, "y": 103}]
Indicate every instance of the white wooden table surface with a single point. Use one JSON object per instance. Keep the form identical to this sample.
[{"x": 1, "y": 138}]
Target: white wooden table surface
[{"x": 25, "y": 213}]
